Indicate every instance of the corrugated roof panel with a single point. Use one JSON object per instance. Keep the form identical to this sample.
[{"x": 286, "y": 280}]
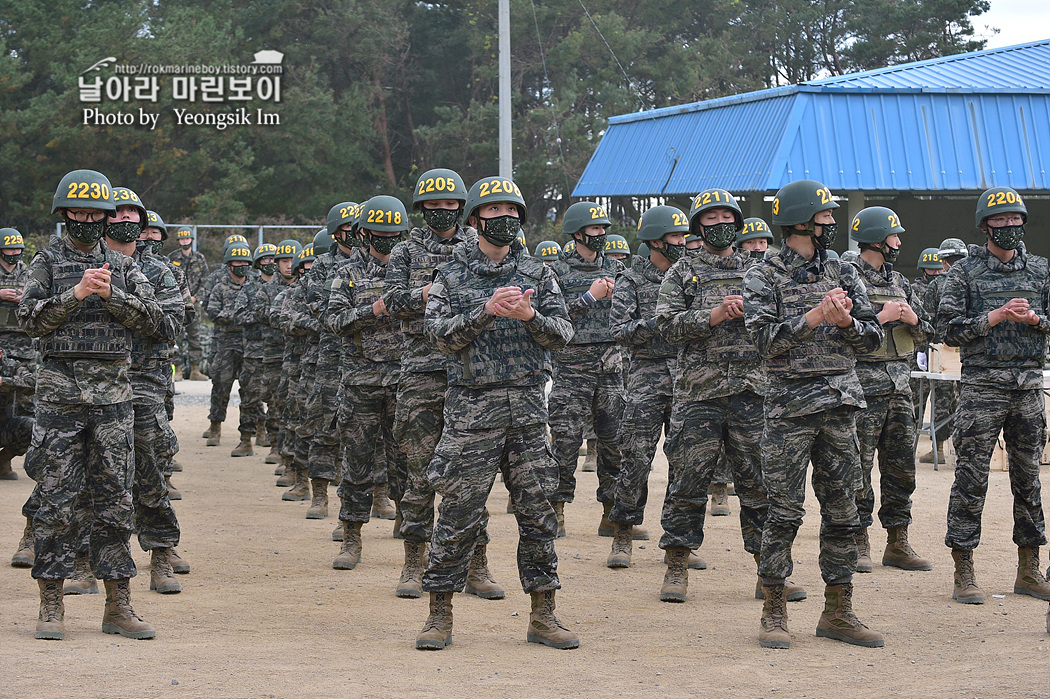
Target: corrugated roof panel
[
  {"x": 919, "y": 142},
  {"x": 1021, "y": 67}
]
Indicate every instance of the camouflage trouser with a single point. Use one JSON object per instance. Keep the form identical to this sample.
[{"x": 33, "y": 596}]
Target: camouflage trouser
[
  {"x": 829, "y": 440},
  {"x": 304, "y": 428},
  {"x": 225, "y": 368},
  {"x": 983, "y": 412},
  {"x": 191, "y": 339},
  {"x": 946, "y": 399},
  {"x": 16, "y": 433},
  {"x": 578, "y": 396},
  {"x": 321, "y": 407},
  {"x": 365, "y": 413},
  {"x": 644, "y": 417},
  {"x": 462, "y": 473},
  {"x": 418, "y": 422},
  {"x": 723, "y": 475},
  {"x": 155, "y": 521},
  {"x": 271, "y": 396},
  {"x": 887, "y": 425},
  {"x": 289, "y": 415},
  {"x": 85, "y": 449},
  {"x": 252, "y": 381},
  {"x": 698, "y": 429}
]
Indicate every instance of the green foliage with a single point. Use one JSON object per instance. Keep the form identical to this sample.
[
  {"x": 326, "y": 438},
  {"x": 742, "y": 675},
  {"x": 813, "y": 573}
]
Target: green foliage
[{"x": 378, "y": 91}]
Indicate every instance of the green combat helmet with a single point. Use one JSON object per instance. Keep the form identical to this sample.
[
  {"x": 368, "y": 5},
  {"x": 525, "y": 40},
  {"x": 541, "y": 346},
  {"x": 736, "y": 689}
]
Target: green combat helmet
[
  {"x": 798, "y": 202},
  {"x": 872, "y": 226},
  {"x": 438, "y": 185},
  {"x": 583, "y": 214},
  {"x": 127, "y": 231},
  {"x": 84, "y": 189},
  {"x": 930, "y": 259},
  {"x": 952, "y": 247},
  {"x": 12, "y": 240},
  {"x": 657, "y": 222},
  {"x": 153, "y": 220},
  {"x": 235, "y": 238},
  {"x": 548, "y": 251},
  {"x": 569, "y": 247},
  {"x": 265, "y": 250},
  {"x": 184, "y": 233},
  {"x": 617, "y": 245},
  {"x": 999, "y": 200},
  {"x": 500, "y": 231},
  {"x": 340, "y": 215},
  {"x": 720, "y": 235},
  {"x": 287, "y": 248},
  {"x": 323, "y": 242},
  {"x": 384, "y": 214},
  {"x": 305, "y": 255},
  {"x": 643, "y": 251},
  {"x": 754, "y": 229},
  {"x": 237, "y": 253}
]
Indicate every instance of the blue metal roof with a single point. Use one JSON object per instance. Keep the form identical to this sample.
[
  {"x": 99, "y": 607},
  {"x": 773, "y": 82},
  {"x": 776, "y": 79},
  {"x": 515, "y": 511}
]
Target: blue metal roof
[{"x": 979, "y": 120}]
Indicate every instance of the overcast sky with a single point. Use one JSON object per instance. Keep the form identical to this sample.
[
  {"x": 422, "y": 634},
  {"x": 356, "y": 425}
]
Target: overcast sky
[{"x": 1018, "y": 21}]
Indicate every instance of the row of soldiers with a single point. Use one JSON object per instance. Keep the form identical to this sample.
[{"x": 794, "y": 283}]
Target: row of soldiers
[
  {"x": 93, "y": 319},
  {"x": 768, "y": 360}
]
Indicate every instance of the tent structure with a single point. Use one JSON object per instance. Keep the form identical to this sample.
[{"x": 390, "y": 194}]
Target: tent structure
[{"x": 917, "y": 133}]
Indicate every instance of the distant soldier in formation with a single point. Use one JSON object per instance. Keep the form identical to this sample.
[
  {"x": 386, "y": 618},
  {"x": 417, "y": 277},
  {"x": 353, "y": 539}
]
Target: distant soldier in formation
[
  {"x": 194, "y": 267},
  {"x": 16, "y": 344}
]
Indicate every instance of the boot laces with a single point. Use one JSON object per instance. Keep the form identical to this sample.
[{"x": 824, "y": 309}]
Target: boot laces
[
  {"x": 52, "y": 601},
  {"x": 122, "y": 598},
  {"x": 778, "y": 610},
  {"x": 967, "y": 577},
  {"x": 1033, "y": 567}
]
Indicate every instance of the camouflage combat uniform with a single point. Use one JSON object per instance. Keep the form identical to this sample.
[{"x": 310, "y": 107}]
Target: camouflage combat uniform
[
  {"x": 370, "y": 390},
  {"x": 250, "y": 308},
  {"x": 302, "y": 323},
  {"x": 83, "y": 438},
  {"x": 888, "y": 423},
  {"x": 947, "y": 393},
  {"x": 274, "y": 340},
  {"x": 588, "y": 379},
  {"x": 16, "y": 377},
  {"x": 718, "y": 393},
  {"x": 495, "y": 413},
  {"x": 650, "y": 385},
  {"x": 16, "y": 344},
  {"x": 190, "y": 314},
  {"x": 156, "y": 525},
  {"x": 195, "y": 269},
  {"x": 811, "y": 397},
  {"x": 288, "y": 387},
  {"x": 228, "y": 352},
  {"x": 1001, "y": 389},
  {"x": 321, "y": 402},
  {"x": 421, "y": 389}
]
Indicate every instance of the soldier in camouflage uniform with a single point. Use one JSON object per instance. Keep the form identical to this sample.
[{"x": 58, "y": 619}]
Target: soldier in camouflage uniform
[
  {"x": 228, "y": 344},
  {"x": 274, "y": 340},
  {"x": 440, "y": 195},
  {"x": 498, "y": 313},
  {"x": 718, "y": 392},
  {"x": 220, "y": 272},
  {"x": 16, "y": 345},
  {"x": 250, "y": 309},
  {"x": 302, "y": 323},
  {"x": 16, "y": 377},
  {"x": 951, "y": 250},
  {"x": 888, "y": 423},
  {"x": 156, "y": 525},
  {"x": 807, "y": 315},
  {"x": 588, "y": 378},
  {"x": 355, "y": 309},
  {"x": 82, "y": 301},
  {"x": 281, "y": 316},
  {"x": 651, "y": 377},
  {"x": 994, "y": 308},
  {"x": 195, "y": 268}
]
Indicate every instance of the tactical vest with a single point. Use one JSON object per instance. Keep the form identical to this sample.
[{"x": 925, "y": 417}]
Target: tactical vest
[
  {"x": 8, "y": 309},
  {"x": 648, "y": 291},
  {"x": 825, "y": 352},
  {"x": 594, "y": 326},
  {"x": 897, "y": 342},
  {"x": 728, "y": 341},
  {"x": 91, "y": 331},
  {"x": 381, "y": 342},
  {"x": 989, "y": 290},
  {"x": 421, "y": 273},
  {"x": 505, "y": 352}
]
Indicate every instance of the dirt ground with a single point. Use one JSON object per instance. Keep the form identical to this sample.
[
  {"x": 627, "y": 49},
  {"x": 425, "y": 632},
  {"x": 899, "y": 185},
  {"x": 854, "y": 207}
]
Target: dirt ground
[{"x": 263, "y": 614}]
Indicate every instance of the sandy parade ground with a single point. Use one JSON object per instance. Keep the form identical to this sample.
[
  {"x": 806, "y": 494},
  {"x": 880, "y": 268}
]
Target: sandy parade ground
[{"x": 263, "y": 614}]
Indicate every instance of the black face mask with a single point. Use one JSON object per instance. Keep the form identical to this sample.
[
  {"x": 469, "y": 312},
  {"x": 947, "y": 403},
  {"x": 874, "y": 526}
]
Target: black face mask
[
  {"x": 1007, "y": 237},
  {"x": 124, "y": 231},
  {"x": 890, "y": 254},
  {"x": 719, "y": 236},
  {"x": 186, "y": 245},
  {"x": 595, "y": 243},
  {"x": 86, "y": 233},
  {"x": 268, "y": 269},
  {"x": 672, "y": 251},
  {"x": 757, "y": 254},
  {"x": 383, "y": 245},
  {"x": 501, "y": 231},
  {"x": 239, "y": 271},
  {"x": 12, "y": 259},
  {"x": 827, "y": 235},
  {"x": 441, "y": 219}
]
